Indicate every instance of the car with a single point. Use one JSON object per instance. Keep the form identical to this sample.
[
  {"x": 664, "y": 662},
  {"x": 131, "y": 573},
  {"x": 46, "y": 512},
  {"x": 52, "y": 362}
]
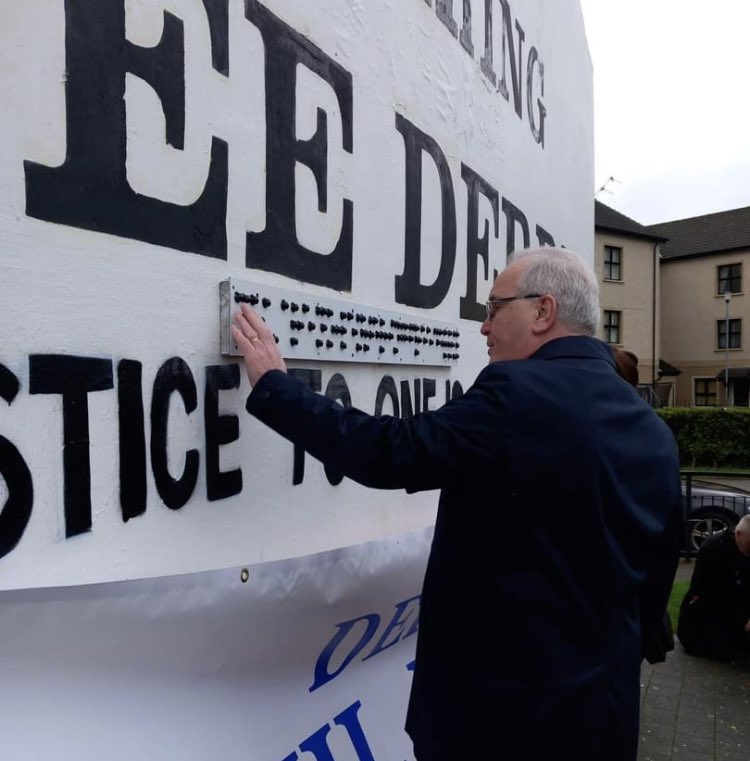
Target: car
[{"x": 714, "y": 507}]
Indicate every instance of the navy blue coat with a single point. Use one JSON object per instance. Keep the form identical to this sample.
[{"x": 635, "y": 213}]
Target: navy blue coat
[{"x": 556, "y": 529}]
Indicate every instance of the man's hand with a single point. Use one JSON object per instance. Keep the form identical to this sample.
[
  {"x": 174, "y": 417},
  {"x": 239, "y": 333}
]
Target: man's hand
[{"x": 257, "y": 344}]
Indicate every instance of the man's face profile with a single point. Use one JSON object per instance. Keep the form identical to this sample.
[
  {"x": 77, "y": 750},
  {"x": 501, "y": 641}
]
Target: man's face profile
[{"x": 508, "y": 330}]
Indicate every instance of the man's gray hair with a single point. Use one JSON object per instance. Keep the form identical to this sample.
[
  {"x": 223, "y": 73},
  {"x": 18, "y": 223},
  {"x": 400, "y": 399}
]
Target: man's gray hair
[{"x": 564, "y": 274}]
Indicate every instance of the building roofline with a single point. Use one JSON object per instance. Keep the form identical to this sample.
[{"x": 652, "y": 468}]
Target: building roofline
[
  {"x": 628, "y": 234},
  {"x": 609, "y": 220}
]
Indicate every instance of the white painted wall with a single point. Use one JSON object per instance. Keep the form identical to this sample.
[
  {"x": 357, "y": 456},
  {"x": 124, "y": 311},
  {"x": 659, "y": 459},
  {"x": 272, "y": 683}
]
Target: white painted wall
[{"x": 73, "y": 291}]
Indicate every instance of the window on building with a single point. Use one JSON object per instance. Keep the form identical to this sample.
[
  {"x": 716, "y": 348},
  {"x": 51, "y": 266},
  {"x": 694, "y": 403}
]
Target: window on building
[
  {"x": 705, "y": 392},
  {"x": 740, "y": 392},
  {"x": 612, "y": 324},
  {"x": 735, "y": 334},
  {"x": 613, "y": 263},
  {"x": 730, "y": 278}
]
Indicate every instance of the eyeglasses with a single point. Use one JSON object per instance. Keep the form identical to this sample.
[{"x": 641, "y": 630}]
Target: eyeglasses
[{"x": 492, "y": 305}]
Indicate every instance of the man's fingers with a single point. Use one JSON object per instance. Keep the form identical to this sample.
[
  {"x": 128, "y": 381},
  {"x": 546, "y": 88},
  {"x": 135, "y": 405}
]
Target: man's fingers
[
  {"x": 257, "y": 344},
  {"x": 255, "y": 321},
  {"x": 243, "y": 321},
  {"x": 242, "y": 340}
]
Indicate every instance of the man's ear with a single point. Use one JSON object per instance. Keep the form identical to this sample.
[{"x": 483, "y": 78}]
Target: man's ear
[{"x": 546, "y": 314}]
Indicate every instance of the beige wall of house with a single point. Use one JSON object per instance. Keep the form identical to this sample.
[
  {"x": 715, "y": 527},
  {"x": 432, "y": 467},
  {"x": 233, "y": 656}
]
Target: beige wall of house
[
  {"x": 691, "y": 308},
  {"x": 632, "y": 296}
]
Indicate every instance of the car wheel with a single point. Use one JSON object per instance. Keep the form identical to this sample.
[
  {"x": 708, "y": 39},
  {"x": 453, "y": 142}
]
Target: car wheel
[{"x": 704, "y": 525}]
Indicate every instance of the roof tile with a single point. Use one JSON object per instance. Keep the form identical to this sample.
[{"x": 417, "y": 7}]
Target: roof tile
[{"x": 707, "y": 234}]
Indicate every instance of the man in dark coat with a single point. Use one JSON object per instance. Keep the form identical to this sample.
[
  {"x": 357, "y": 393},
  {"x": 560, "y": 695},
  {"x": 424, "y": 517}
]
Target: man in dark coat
[
  {"x": 554, "y": 533},
  {"x": 715, "y": 612}
]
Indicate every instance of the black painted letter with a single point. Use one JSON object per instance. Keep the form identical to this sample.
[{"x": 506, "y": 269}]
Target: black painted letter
[
  {"x": 277, "y": 249},
  {"x": 475, "y": 246},
  {"x": 544, "y": 238},
  {"x": 444, "y": 10},
  {"x": 514, "y": 215},
  {"x": 509, "y": 53},
  {"x": 90, "y": 189},
  {"x": 537, "y": 128},
  {"x": 173, "y": 376},
  {"x": 132, "y": 439},
  {"x": 74, "y": 378},
  {"x": 220, "y": 430},
  {"x": 408, "y": 288},
  {"x": 486, "y": 61},
  {"x": 15, "y": 514},
  {"x": 387, "y": 389}
]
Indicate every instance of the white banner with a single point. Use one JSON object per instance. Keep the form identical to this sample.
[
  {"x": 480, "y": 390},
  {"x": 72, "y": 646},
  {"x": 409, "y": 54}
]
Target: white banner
[{"x": 304, "y": 659}]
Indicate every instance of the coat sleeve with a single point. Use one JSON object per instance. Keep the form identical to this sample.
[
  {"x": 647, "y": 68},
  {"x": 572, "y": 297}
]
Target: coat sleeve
[
  {"x": 427, "y": 451},
  {"x": 656, "y": 628}
]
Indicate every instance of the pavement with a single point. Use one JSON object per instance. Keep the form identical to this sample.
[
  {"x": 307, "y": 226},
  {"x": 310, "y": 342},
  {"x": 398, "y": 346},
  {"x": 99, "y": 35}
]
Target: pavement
[{"x": 694, "y": 709}]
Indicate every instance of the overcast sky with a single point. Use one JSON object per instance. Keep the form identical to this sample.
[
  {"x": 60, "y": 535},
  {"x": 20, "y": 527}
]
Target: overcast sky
[{"x": 672, "y": 105}]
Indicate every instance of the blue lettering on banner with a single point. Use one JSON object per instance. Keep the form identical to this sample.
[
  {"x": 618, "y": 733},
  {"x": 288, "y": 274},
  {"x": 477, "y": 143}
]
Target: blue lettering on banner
[
  {"x": 396, "y": 626},
  {"x": 407, "y": 612},
  {"x": 317, "y": 742}
]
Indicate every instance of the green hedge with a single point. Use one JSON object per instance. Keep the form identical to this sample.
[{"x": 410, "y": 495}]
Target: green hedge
[{"x": 708, "y": 437}]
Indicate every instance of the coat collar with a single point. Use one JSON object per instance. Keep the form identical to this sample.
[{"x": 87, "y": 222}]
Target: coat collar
[{"x": 575, "y": 346}]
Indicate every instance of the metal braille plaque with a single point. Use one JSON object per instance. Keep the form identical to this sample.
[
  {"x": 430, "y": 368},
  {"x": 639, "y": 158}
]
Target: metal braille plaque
[{"x": 332, "y": 330}]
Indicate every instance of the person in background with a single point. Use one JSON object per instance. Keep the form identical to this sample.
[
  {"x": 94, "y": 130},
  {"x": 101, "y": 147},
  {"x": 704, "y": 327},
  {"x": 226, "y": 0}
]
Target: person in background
[
  {"x": 626, "y": 363},
  {"x": 558, "y": 488},
  {"x": 714, "y": 617}
]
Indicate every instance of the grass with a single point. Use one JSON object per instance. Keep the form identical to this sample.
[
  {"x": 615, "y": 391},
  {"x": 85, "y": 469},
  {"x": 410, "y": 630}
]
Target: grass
[{"x": 679, "y": 588}]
